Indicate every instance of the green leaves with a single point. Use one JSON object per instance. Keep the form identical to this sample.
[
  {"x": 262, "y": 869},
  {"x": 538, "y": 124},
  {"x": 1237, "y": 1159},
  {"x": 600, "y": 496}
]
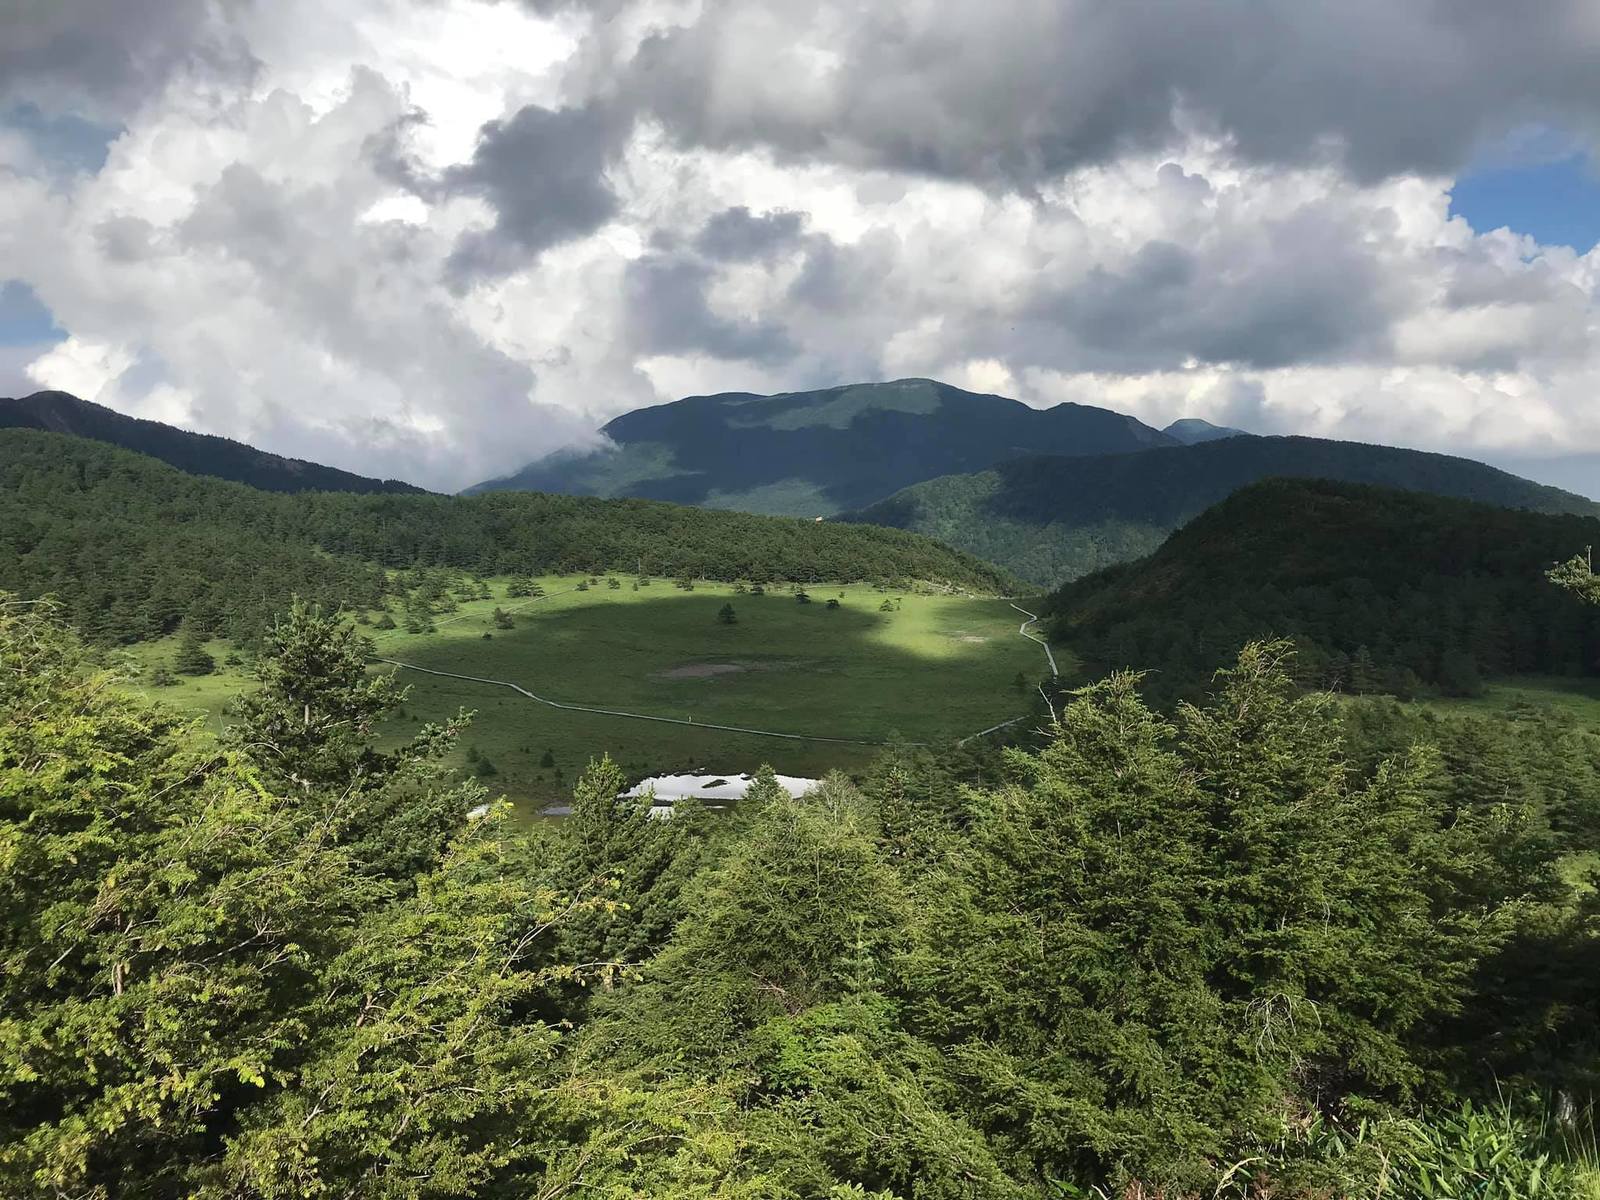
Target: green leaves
[{"x": 206, "y": 991}]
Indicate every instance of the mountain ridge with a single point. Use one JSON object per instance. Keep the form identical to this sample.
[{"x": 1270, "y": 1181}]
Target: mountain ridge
[
  {"x": 819, "y": 452},
  {"x": 1051, "y": 519},
  {"x": 194, "y": 453}
]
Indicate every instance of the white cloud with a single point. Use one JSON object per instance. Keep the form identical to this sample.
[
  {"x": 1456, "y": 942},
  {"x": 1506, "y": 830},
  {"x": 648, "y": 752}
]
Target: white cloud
[{"x": 301, "y": 239}]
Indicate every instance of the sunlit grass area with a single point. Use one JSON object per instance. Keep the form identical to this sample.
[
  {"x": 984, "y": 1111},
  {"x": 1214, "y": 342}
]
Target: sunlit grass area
[{"x": 877, "y": 666}]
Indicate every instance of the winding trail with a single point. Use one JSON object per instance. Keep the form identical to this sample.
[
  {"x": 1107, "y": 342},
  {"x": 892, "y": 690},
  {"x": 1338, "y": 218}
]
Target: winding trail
[
  {"x": 1023, "y": 630},
  {"x": 633, "y": 716}
]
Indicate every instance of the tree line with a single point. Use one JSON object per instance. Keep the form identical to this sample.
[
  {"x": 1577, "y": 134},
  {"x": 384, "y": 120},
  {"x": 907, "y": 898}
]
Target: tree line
[{"x": 133, "y": 548}]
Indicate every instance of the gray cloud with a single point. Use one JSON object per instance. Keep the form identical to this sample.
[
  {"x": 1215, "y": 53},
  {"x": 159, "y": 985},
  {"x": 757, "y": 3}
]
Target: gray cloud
[
  {"x": 734, "y": 235},
  {"x": 99, "y": 58},
  {"x": 544, "y": 173},
  {"x": 1018, "y": 91},
  {"x": 668, "y": 313}
]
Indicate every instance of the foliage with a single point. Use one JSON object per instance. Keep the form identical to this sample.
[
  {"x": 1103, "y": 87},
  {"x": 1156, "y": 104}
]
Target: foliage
[
  {"x": 1052, "y": 520},
  {"x": 309, "y": 727},
  {"x": 133, "y": 547},
  {"x": 1577, "y": 575},
  {"x": 192, "y": 658},
  {"x": 1208, "y": 927},
  {"x": 207, "y": 992},
  {"x": 1380, "y": 590},
  {"x": 1269, "y": 945}
]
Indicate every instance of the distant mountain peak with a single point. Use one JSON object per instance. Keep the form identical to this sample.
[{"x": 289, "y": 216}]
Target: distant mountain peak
[
  {"x": 822, "y": 451},
  {"x": 1191, "y": 431},
  {"x": 194, "y": 453}
]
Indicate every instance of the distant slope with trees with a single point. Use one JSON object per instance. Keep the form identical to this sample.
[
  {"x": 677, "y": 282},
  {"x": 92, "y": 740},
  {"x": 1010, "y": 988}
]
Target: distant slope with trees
[
  {"x": 1381, "y": 590},
  {"x": 133, "y": 547},
  {"x": 1052, "y": 519},
  {"x": 821, "y": 452},
  {"x": 196, "y": 453}
]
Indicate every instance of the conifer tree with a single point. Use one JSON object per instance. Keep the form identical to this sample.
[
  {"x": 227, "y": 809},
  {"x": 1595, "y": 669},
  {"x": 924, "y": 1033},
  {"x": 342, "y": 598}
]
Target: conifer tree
[{"x": 192, "y": 657}]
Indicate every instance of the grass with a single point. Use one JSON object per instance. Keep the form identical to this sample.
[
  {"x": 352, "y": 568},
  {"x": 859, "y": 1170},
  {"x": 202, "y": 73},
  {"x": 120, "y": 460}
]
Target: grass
[
  {"x": 935, "y": 669},
  {"x": 1575, "y": 697}
]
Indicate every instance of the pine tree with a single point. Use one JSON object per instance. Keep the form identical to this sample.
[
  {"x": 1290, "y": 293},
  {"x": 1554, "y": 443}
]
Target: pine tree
[{"x": 192, "y": 658}]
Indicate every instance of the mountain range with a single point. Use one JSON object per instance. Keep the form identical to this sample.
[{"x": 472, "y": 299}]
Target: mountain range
[
  {"x": 1048, "y": 494},
  {"x": 196, "y": 453},
  {"x": 818, "y": 453}
]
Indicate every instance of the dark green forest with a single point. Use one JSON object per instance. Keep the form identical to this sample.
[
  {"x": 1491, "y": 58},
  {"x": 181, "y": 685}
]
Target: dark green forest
[
  {"x": 1381, "y": 591},
  {"x": 1053, "y": 519},
  {"x": 133, "y": 547},
  {"x": 1267, "y": 947}
]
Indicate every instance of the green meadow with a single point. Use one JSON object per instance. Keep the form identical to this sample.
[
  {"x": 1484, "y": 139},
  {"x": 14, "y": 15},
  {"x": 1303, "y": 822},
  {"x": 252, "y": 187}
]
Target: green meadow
[
  {"x": 934, "y": 668},
  {"x": 1577, "y": 697}
]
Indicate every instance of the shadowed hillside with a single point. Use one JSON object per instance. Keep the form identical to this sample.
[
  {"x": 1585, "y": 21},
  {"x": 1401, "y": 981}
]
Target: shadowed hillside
[
  {"x": 1382, "y": 590},
  {"x": 818, "y": 453},
  {"x": 1051, "y": 519},
  {"x": 196, "y": 453}
]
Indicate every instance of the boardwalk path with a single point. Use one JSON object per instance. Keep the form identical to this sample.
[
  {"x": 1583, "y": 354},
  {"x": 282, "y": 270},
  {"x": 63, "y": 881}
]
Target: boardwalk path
[{"x": 772, "y": 733}]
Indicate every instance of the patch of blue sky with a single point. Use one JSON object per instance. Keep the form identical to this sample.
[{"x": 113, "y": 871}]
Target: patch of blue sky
[
  {"x": 65, "y": 143},
  {"x": 1539, "y": 184},
  {"x": 24, "y": 321}
]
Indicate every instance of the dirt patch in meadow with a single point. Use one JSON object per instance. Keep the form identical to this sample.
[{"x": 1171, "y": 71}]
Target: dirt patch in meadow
[
  {"x": 712, "y": 670},
  {"x": 972, "y": 638},
  {"x": 702, "y": 670}
]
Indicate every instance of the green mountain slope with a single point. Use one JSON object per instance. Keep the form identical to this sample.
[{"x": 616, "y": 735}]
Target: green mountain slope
[
  {"x": 1054, "y": 519},
  {"x": 1384, "y": 591},
  {"x": 132, "y": 546},
  {"x": 822, "y": 452},
  {"x": 196, "y": 453}
]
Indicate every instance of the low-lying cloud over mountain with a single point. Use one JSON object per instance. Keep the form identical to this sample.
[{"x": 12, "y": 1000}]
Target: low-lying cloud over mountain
[{"x": 435, "y": 238}]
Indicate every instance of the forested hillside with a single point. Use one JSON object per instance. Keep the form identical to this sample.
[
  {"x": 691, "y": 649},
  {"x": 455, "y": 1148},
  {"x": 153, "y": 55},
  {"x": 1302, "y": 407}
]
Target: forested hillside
[
  {"x": 1255, "y": 951},
  {"x": 1381, "y": 590},
  {"x": 1052, "y": 519},
  {"x": 196, "y": 453},
  {"x": 132, "y": 546},
  {"x": 821, "y": 452}
]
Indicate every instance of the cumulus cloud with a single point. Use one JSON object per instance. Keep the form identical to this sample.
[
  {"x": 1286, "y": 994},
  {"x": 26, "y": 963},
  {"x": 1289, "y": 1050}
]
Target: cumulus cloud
[
  {"x": 436, "y": 238},
  {"x": 1019, "y": 91}
]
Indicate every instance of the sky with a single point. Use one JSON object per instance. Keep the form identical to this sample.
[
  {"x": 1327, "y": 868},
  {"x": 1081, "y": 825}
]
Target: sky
[{"x": 435, "y": 239}]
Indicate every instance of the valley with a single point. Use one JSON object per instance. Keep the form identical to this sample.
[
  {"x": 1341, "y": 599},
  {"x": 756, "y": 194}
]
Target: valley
[
  {"x": 770, "y": 601},
  {"x": 836, "y": 683}
]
